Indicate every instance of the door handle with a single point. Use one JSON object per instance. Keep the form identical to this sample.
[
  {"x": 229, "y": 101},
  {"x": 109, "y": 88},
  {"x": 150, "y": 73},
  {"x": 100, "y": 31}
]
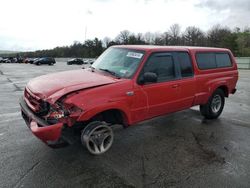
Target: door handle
[{"x": 175, "y": 85}]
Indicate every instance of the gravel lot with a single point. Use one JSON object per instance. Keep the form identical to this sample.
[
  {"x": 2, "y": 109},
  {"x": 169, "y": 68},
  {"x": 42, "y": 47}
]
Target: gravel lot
[{"x": 178, "y": 150}]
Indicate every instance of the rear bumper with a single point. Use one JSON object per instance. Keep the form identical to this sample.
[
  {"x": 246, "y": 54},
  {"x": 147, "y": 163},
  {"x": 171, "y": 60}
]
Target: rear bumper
[{"x": 49, "y": 134}]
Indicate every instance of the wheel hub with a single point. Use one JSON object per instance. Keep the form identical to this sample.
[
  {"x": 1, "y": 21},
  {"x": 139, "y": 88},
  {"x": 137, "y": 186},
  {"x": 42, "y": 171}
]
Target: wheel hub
[
  {"x": 216, "y": 103},
  {"x": 98, "y": 139}
]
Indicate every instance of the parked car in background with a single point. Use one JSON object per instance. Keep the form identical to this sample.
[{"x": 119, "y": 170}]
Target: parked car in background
[
  {"x": 27, "y": 60},
  {"x": 45, "y": 60},
  {"x": 90, "y": 61},
  {"x": 6, "y": 60},
  {"x": 20, "y": 60},
  {"x": 12, "y": 59},
  {"x": 3, "y": 60},
  {"x": 76, "y": 61},
  {"x": 32, "y": 60},
  {"x": 9, "y": 60}
]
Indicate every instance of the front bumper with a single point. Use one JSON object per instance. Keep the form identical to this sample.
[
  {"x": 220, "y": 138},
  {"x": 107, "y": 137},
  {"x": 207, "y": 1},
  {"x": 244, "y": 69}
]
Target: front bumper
[{"x": 49, "y": 134}]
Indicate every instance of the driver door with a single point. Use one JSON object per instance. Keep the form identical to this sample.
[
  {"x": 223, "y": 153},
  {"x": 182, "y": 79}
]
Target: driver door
[{"x": 162, "y": 96}]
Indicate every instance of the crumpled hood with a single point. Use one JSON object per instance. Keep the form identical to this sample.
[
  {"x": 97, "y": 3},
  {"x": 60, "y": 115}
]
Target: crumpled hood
[{"x": 53, "y": 86}]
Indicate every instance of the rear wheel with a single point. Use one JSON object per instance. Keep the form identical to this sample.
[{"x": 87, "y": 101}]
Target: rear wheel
[
  {"x": 213, "y": 108},
  {"x": 97, "y": 137}
]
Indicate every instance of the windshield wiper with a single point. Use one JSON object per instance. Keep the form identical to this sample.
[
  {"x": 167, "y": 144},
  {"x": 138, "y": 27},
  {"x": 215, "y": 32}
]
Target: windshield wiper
[{"x": 111, "y": 72}]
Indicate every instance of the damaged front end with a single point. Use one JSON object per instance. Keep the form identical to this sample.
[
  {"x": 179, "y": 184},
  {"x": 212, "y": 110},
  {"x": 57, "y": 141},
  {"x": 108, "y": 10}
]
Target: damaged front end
[{"x": 49, "y": 122}]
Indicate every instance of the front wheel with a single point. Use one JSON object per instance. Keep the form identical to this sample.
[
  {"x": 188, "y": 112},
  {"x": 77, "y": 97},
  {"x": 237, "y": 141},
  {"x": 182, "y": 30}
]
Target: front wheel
[
  {"x": 97, "y": 137},
  {"x": 213, "y": 108}
]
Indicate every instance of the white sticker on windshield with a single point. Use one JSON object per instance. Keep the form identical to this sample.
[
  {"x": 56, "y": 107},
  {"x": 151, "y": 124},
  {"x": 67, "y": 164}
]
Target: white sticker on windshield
[
  {"x": 123, "y": 71},
  {"x": 134, "y": 55}
]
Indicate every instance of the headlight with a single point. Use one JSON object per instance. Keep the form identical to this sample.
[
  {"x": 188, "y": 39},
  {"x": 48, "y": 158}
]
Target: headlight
[
  {"x": 63, "y": 110},
  {"x": 44, "y": 108},
  {"x": 71, "y": 110},
  {"x": 55, "y": 114}
]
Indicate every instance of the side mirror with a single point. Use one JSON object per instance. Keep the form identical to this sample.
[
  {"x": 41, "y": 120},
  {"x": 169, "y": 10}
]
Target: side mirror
[{"x": 148, "y": 77}]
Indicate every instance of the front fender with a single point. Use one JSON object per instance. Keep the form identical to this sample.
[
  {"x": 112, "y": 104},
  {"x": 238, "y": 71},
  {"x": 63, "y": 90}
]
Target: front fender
[{"x": 121, "y": 106}]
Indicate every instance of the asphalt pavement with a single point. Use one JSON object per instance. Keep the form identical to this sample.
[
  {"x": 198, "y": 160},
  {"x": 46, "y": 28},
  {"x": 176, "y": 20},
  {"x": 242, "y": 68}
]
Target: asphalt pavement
[{"x": 177, "y": 150}]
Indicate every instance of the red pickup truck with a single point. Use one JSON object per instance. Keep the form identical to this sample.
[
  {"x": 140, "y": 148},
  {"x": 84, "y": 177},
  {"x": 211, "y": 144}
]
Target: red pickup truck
[{"x": 127, "y": 84}]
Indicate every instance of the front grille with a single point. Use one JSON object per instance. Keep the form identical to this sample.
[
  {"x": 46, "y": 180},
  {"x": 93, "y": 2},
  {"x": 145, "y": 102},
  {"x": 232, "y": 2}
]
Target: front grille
[
  {"x": 33, "y": 102},
  {"x": 37, "y": 105}
]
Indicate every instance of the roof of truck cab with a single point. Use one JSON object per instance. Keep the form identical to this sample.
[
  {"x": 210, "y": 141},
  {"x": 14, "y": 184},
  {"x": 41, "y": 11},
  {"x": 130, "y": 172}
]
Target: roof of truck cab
[{"x": 155, "y": 47}]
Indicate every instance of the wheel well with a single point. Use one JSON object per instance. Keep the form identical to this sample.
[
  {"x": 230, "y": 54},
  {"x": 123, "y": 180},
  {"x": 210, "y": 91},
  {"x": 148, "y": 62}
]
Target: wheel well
[
  {"x": 113, "y": 116},
  {"x": 224, "y": 89}
]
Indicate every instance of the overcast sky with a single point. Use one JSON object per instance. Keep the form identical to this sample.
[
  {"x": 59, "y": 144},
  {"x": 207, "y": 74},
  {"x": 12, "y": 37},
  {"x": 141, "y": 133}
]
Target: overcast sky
[{"x": 42, "y": 24}]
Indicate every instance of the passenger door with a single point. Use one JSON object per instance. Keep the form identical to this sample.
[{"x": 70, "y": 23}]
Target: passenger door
[{"x": 163, "y": 95}]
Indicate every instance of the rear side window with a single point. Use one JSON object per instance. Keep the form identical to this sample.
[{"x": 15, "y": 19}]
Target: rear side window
[
  {"x": 211, "y": 60},
  {"x": 223, "y": 60},
  {"x": 206, "y": 60},
  {"x": 185, "y": 64}
]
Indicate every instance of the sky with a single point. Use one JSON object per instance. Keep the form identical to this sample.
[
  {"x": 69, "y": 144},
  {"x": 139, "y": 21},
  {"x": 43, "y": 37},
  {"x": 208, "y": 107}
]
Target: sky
[{"x": 27, "y": 25}]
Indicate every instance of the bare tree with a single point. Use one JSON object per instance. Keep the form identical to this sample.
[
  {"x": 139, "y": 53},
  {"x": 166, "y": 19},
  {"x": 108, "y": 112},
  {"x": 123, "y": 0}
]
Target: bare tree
[
  {"x": 106, "y": 41},
  {"x": 158, "y": 39},
  {"x": 193, "y": 36},
  {"x": 166, "y": 38},
  {"x": 149, "y": 37},
  {"x": 123, "y": 37},
  {"x": 132, "y": 39},
  {"x": 175, "y": 34},
  {"x": 140, "y": 38},
  {"x": 246, "y": 29},
  {"x": 238, "y": 40},
  {"x": 217, "y": 35}
]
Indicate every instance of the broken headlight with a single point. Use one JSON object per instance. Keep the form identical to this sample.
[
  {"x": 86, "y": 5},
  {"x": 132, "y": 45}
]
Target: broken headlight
[{"x": 62, "y": 111}]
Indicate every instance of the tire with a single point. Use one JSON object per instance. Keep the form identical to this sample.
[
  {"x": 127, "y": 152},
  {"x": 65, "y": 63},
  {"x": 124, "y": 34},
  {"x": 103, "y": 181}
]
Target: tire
[
  {"x": 97, "y": 137},
  {"x": 214, "y": 107}
]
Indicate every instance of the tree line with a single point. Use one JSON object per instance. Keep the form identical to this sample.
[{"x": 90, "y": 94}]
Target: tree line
[{"x": 237, "y": 40}]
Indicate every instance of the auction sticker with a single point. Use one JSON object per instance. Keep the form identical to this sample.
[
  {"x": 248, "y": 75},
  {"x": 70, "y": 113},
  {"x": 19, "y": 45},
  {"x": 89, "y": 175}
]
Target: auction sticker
[
  {"x": 123, "y": 71},
  {"x": 134, "y": 55}
]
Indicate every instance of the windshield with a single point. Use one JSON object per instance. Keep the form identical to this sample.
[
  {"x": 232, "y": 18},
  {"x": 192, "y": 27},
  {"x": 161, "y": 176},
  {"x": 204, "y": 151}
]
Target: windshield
[{"x": 119, "y": 62}]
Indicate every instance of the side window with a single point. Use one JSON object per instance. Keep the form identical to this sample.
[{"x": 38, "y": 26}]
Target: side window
[
  {"x": 162, "y": 64},
  {"x": 185, "y": 64},
  {"x": 206, "y": 60},
  {"x": 223, "y": 60}
]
